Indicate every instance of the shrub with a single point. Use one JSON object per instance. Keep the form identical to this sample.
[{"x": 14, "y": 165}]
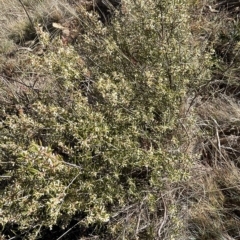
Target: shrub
[{"x": 106, "y": 138}]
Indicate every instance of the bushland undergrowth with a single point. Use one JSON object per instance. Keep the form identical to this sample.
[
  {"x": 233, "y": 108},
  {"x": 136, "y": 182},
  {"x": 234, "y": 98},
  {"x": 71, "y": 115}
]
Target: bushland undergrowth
[{"x": 119, "y": 129}]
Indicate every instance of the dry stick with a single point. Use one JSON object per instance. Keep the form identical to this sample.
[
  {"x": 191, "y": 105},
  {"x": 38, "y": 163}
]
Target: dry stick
[
  {"x": 30, "y": 20},
  {"x": 65, "y": 233},
  {"x": 68, "y": 230},
  {"x": 5, "y": 176},
  {"x": 139, "y": 217},
  {"x": 164, "y": 218},
  {"x": 218, "y": 148}
]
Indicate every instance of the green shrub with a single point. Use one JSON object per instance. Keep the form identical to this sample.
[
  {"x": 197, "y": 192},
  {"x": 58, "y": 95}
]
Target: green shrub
[{"x": 107, "y": 136}]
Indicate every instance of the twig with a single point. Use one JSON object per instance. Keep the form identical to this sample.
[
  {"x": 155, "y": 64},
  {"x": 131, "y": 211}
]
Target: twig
[
  {"x": 139, "y": 216},
  {"x": 5, "y": 176},
  {"x": 212, "y": 9},
  {"x": 122, "y": 211},
  {"x": 30, "y": 20},
  {"x": 72, "y": 165},
  {"x": 68, "y": 230},
  {"x": 164, "y": 218},
  {"x": 217, "y": 134}
]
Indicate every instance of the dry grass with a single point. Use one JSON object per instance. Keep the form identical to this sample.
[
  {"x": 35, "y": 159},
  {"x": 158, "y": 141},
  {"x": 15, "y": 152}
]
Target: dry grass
[
  {"x": 214, "y": 188},
  {"x": 20, "y": 32},
  {"x": 212, "y": 193}
]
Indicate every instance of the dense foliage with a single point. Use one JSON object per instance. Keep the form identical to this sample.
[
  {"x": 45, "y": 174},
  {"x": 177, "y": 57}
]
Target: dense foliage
[{"x": 96, "y": 133}]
